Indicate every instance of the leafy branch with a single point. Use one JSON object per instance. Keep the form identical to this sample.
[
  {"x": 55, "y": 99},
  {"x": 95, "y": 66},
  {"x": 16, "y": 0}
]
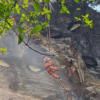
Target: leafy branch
[
  {"x": 23, "y": 40},
  {"x": 3, "y": 50},
  {"x": 31, "y": 17}
]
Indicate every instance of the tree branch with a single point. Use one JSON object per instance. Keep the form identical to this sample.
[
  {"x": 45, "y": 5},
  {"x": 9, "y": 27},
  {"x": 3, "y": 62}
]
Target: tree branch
[
  {"x": 29, "y": 39},
  {"x": 24, "y": 41}
]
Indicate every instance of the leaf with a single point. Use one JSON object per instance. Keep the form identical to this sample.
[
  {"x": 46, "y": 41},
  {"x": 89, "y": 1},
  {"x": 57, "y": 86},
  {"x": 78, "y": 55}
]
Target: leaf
[
  {"x": 14, "y": 11},
  {"x": 82, "y": 15},
  {"x": 10, "y": 6},
  {"x": 86, "y": 20},
  {"x": 63, "y": 1},
  {"x": 25, "y": 6},
  {"x": 25, "y": 1},
  {"x": 36, "y": 29},
  {"x": 11, "y": 21},
  {"x": 17, "y": 6},
  {"x": 6, "y": 31},
  {"x": 36, "y": 6},
  {"x": 68, "y": 12},
  {"x": 46, "y": 24},
  {"x": 2, "y": 6},
  {"x": 64, "y": 9},
  {"x": 1, "y": 12},
  {"x": 20, "y": 38},
  {"x": 83, "y": 0},
  {"x": 90, "y": 21},
  {"x": 22, "y": 19},
  {"x": 0, "y": 33},
  {"x": 46, "y": 1},
  {"x": 23, "y": 14},
  {"x": 8, "y": 9},
  {"x": 92, "y": 0},
  {"x": 3, "y": 50},
  {"x": 76, "y": 18},
  {"x": 18, "y": 10},
  {"x": 78, "y": 8},
  {"x": 77, "y": 1},
  {"x": 20, "y": 29},
  {"x": 27, "y": 19},
  {"x": 79, "y": 19},
  {"x": 85, "y": 25},
  {"x": 87, "y": 15},
  {"x": 7, "y": 15},
  {"x": 91, "y": 25},
  {"x": 48, "y": 16}
]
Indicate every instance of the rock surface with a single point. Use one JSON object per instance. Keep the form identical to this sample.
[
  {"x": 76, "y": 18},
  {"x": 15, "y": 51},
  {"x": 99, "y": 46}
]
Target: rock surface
[
  {"x": 64, "y": 54},
  {"x": 19, "y": 82}
]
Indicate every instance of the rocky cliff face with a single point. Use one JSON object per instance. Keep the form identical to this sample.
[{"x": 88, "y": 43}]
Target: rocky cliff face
[
  {"x": 81, "y": 78},
  {"x": 19, "y": 82},
  {"x": 86, "y": 44}
]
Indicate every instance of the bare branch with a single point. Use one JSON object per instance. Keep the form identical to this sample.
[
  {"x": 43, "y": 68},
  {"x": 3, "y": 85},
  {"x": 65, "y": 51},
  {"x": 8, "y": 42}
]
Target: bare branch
[
  {"x": 49, "y": 37},
  {"x": 29, "y": 39}
]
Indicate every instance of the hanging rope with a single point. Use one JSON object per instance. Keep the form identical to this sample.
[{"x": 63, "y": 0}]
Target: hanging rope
[{"x": 66, "y": 91}]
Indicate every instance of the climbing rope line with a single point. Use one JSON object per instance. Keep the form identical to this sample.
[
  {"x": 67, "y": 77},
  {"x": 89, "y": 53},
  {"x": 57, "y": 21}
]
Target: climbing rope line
[{"x": 65, "y": 90}]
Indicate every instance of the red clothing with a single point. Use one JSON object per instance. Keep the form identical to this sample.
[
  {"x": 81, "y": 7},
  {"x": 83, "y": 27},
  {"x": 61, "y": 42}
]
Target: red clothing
[{"x": 51, "y": 70}]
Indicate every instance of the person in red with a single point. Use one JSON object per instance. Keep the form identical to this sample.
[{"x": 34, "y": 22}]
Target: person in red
[{"x": 50, "y": 68}]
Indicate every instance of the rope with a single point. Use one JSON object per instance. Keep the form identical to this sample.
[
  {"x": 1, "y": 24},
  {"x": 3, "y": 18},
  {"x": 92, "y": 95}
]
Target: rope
[{"x": 65, "y": 91}]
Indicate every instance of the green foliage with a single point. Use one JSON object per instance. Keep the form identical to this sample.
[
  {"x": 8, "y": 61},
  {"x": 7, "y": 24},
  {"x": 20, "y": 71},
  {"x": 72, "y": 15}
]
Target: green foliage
[
  {"x": 78, "y": 19},
  {"x": 2, "y": 6},
  {"x": 25, "y": 3},
  {"x": 46, "y": 1},
  {"x": 87, "y": 21},
  {"x": 10, "y": 22},
  {"x": 20, "y": 38},
  {"x": 20, "y": 29},
  {"x": 45, "y": 24},
  {"x": 77, "y": 1},
  {"x": 36, "y": 6},
  {"x": 63, "y": 2},
  {"x": 22, "y": 19},
  {"x": 18, "y": 9},
  {"x": 9, "y": 6},
  {"x": 8, "y": 9},
  {"x": 92, "y": 0},
  {"x": 3, "y": 50},
  {"x": 45, "y": 11},
  {"x": 7, "y": 15},
  {"x": 36, "y": 29},
  {"x": 64, "y": 9},
  {"x": 78, "y": 8},
  {"x": 48, "y": 16}
]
